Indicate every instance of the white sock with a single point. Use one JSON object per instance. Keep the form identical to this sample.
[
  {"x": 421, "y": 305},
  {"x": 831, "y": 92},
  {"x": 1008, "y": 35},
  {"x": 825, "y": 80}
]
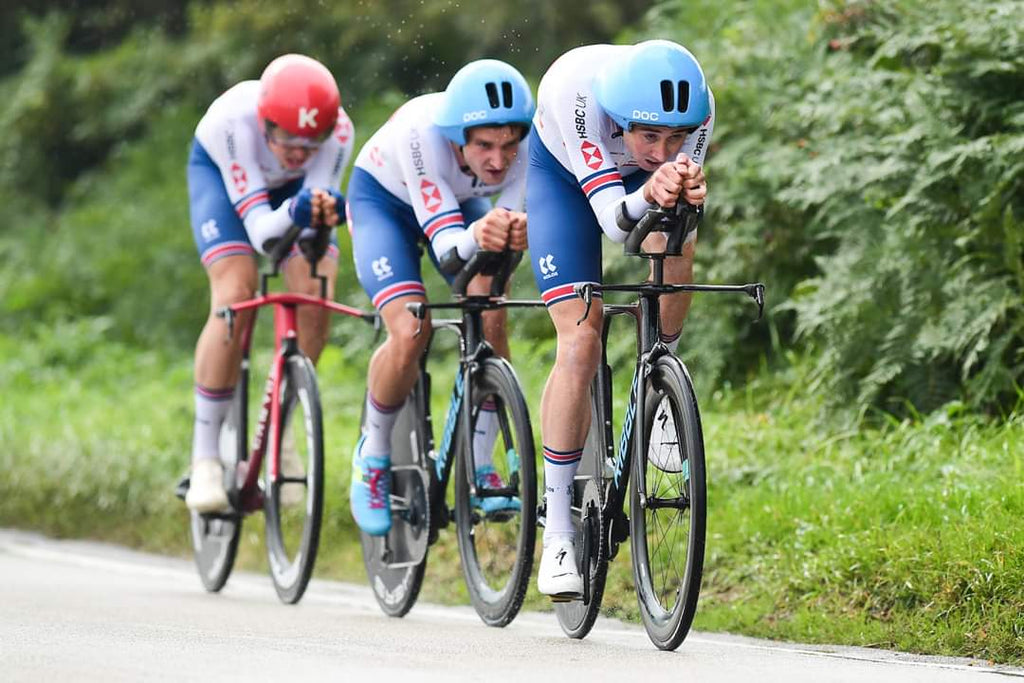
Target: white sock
[
  {"x": 380, "y": 419},
  {"x": 559, "y": 471},
  {"x": 485, "y": 433},
  {"x": 671, "y": 340},
  {"x": 212, "y": 407}
]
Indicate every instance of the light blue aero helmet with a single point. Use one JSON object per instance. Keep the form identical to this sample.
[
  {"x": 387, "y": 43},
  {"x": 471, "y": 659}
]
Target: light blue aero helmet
[
  {"x": 657, "y": 83},
  {"x": 486, "y": 92}
]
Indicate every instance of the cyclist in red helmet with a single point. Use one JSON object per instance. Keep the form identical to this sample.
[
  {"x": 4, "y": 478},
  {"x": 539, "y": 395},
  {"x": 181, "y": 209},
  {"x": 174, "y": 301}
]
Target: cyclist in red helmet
[{"x": 267, "y": 154}]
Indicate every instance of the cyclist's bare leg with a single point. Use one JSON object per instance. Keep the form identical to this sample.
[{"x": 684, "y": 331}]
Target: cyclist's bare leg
[
  {"x": 393, "y": 371},
  {"x": 496, "y": 334},
  {"x": 314, "y": 321},
  {"x": 232, "y": 279},
  {"x": 565, "y": 405},
  {"x": 678, "y": 270}
]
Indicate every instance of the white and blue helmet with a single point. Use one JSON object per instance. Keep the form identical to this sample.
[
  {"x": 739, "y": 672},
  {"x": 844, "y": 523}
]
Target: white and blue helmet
[
  {"x": 658, "y": 83},
  {"x": 487, "y": 92}
]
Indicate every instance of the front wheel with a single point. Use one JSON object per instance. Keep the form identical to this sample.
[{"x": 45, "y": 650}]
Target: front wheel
[
  {"x": 668, "y": 517},
  {"x": 294, "y": 501},
  {"x": 497, "y": 528}
]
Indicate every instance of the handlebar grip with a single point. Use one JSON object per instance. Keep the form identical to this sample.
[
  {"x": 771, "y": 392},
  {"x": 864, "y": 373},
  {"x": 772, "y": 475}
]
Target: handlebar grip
[
  {"x": 283, "y": 246},
  {"x": 499, "y": 264},
  {"x": 678, "y": 222}
]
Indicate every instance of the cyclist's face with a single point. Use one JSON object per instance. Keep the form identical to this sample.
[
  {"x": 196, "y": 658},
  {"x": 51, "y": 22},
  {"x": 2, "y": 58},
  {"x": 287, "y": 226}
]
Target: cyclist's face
[
  {"x": 291, "y": 152},
  {"x": 652, "y": 146},
  {"x": 490, "y": 151}
]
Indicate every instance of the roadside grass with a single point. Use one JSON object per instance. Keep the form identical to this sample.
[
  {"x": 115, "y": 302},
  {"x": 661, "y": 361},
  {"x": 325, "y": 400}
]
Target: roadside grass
[{"x": 889, "y": 534}]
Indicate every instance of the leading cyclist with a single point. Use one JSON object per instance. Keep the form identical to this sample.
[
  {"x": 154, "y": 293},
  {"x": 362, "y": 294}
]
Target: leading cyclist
[
  {"x": 426, "y": 176},
  {"x": 621, "y": 129},
  {"x": 267, "y": 154}
]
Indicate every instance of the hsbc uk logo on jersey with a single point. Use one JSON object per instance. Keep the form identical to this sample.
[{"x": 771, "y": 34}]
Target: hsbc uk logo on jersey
[
  {"x": 431, "y": 195},
  {"x": 591, "y": 155}
]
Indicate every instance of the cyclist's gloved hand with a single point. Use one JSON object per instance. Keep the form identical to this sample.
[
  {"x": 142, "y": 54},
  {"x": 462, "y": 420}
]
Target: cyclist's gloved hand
[
  {"x": 313, "y": 242},
  {"x": 301, "y": 208},
  {"x": 339, "y": 205}
]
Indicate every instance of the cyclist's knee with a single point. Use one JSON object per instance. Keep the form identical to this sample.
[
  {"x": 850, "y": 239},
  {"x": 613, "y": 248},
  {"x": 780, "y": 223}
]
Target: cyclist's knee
[
  {"x": 406, "y": 345},
  {"x": 232, "y": 279},
  {"x": 579, "y": 351}
]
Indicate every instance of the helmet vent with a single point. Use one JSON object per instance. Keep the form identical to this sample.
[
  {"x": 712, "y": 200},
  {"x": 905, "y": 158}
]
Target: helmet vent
[
  {"x": 669, "y": 100},
  {"x": 683, "y": 102},
  {"x": 667, "y": 96},
  {"x": 492, "y": 95},
  {"x": 506, "y": 94}
]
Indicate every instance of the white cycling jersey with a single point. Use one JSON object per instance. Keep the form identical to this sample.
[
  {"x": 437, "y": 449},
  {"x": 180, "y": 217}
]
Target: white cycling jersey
[
  {"x": 230, "y": 134},
  {"x": 415, "y": 162},
  {"x": 588, "y": 143}
]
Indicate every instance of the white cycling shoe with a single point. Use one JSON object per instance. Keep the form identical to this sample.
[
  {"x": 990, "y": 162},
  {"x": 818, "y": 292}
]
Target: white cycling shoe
[
  {"x": 558, "y": 575},
  {"x": 206, "y": 492}
]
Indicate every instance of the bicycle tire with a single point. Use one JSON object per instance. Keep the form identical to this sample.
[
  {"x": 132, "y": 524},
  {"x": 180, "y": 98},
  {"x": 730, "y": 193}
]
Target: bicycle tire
[
  {"x": 577, "y": 617},
  {"x": 215, "y": 537},
  {"x": 675, "y": 506},
  {"x": 497, "y": 583},
  {"x": 396, "y": 571},
  {"x": 293, "y": 531}
]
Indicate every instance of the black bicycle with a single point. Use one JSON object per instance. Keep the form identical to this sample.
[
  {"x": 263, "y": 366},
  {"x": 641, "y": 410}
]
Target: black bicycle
[
  {"x": 290, "y": 406},
  {"x": 496, "y": 547},
  {"x": 661, "y": 445}
]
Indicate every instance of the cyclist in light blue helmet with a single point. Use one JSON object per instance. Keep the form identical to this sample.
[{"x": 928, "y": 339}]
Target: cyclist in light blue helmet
[
  {"x": 619, "y": 129},
  {"x": 427, "y": 178}
]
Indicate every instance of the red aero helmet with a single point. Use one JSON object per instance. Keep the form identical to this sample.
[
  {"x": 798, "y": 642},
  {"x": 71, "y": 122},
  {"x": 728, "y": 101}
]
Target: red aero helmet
[{"x": 299, "y": 95}]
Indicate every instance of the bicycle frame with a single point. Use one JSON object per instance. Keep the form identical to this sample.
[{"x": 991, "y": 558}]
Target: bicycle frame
[
  {"x": 646, "y": 313},
  {"x": 473, "y": 350},
  {"x": 285, "y": 345}
]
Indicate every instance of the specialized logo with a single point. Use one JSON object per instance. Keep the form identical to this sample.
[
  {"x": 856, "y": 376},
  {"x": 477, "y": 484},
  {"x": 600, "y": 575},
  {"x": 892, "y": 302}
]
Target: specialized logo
[
  {"x": 449, "y": 427},
  {"x": 381, "y": 268},
  {"x": 560, "y": 555},
  {"x": 431, "y": 195},
  {"x": 547, "y": 266},
  {"x": 307, "y": 117},
  {"x": 591, "y": 154},
  {"x": 474, "y": 116},
  {"x": 645, "y": 115},
  {"x": 239, "y": 178},
  {"x": 209, "y": 230}
]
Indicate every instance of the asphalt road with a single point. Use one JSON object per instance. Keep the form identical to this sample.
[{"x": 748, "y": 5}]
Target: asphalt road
[{"x": 92, "y": 612}]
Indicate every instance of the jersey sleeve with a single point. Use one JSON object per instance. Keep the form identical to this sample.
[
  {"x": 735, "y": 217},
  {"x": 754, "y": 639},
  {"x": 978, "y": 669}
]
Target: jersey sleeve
[
  {"x": 433, "y": 201},
  {"x": 234, "y": 152},
  {"x": 599, "y": 179},
  {"x": 698, "y": 142}
]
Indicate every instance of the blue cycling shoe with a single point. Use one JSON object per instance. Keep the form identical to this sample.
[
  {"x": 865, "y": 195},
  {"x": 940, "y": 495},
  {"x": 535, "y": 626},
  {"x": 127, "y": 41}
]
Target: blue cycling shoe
[
  {"x": 487, "y": 477},
  {"x": 369, "y": 494}
]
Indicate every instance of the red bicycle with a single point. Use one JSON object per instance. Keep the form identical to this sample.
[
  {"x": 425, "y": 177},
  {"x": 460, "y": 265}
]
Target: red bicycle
[{"x": 290, "y": 405}]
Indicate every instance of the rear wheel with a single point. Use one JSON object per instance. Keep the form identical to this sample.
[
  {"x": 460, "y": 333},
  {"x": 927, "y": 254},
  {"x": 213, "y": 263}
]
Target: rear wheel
[
  {"x": 667, "y": 523},
  {"x": 395, "y": 563},
  {"x": 294, "y": 501},
  {"x": 497, "y": 533},
  {"x": 215, "y": 537},
  {"x": 577, "y": 617}
]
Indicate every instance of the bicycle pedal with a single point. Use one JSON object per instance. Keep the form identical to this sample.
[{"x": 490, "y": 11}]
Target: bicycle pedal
[{"x": 566, "y": 597}]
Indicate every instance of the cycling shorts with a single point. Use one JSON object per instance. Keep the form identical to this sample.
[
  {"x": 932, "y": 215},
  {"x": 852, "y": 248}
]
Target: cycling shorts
[{"x": 387, "y": 240}]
